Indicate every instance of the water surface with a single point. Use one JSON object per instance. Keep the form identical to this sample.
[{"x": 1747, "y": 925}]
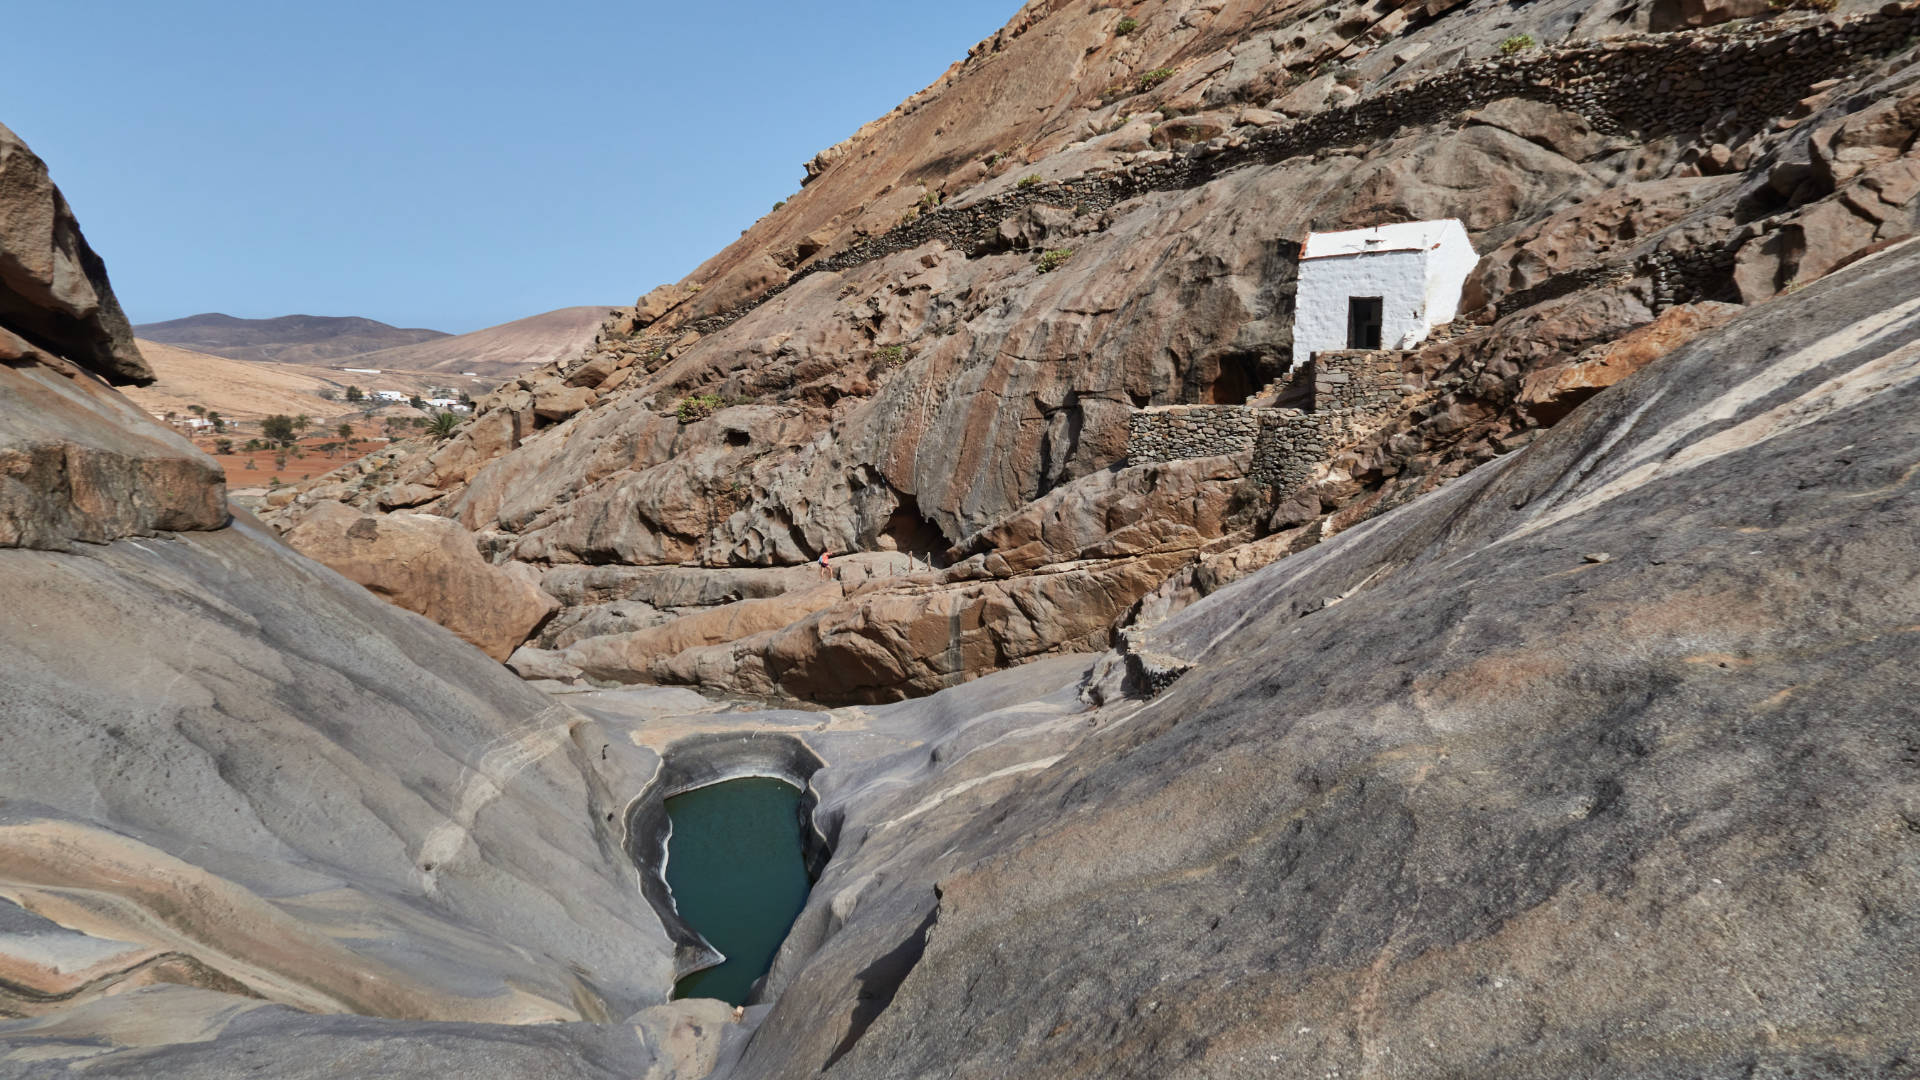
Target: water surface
[{"x": 735, "y": 867}]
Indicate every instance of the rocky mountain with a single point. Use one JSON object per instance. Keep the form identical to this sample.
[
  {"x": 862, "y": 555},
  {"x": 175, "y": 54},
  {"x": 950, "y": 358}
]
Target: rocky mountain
[
  {"x": 292, "y": 339},
  {"x": 497, "y": 351},
  {"x": 1539, "y": 704},
  {"x": 930, "y": 360}
]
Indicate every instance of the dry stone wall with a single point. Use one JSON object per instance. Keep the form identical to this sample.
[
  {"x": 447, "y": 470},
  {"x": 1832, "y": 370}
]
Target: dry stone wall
[
  {"x": 1176, "y": 432},
  {"x": 1353, "y": 393}
]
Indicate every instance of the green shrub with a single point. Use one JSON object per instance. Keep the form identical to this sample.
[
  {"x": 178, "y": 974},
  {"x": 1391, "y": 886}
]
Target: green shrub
[
  {"x": 278, "y": 428},
  {"x": 778, "y": 205},
  {"x": 1126, "y": 26},
  {"x": 891, "y": 355},
  {"x": 1516, "y": 43},
  {"x": 1029, "y": 181},
  {"x": 697, "y": 407},
  {"x": 1052, "y": 260},
  {"x": 1154, "y": 78}
]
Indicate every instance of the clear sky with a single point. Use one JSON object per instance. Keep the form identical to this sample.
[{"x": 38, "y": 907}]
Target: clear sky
[{"x": 444, "y": 164}]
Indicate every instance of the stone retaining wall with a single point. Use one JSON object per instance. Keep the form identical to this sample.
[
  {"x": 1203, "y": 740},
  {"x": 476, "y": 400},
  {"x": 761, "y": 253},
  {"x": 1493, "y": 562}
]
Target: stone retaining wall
[
  {"x": 1176, "y": 432},
  {"x": 1353, "y": 393}
]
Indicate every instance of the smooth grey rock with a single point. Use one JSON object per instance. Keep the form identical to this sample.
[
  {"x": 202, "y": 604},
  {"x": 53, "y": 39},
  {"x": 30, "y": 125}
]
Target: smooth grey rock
[{"x": 221, "y": 752}]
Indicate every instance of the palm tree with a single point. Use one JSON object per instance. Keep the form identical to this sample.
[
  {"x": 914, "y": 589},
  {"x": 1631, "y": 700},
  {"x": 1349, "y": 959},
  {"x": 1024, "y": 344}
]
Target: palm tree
[
  {"x": 443, "y": 424},
  {"x": 302, "y": 422}
]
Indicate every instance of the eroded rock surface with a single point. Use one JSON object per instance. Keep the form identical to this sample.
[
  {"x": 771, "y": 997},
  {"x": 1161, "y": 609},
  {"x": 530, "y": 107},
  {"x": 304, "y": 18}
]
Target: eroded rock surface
[
  {"x": 251, "y": 815},
  {"x": 53, "y": 288},
  {"x": 1483, "y": 751},
  {"x": 950, "y": 327},
  {"x": 1549, "y": 772}
]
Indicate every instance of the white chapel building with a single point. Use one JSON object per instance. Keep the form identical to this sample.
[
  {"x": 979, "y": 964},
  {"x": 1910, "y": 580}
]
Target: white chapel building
[{"x": 1381, "y": 288}]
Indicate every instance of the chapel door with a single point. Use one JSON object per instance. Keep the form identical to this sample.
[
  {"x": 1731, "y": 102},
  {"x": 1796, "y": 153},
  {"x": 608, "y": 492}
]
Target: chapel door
[{"x": 1363, "y": 321}]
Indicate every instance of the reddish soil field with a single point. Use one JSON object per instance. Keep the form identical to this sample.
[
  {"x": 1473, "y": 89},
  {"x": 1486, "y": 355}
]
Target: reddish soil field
[{"x": 309, "y": 457}]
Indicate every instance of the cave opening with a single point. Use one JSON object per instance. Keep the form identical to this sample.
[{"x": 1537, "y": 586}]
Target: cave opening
[
  {"x": 909, "y": 531},
  {"x": 1237, "y": 377}
]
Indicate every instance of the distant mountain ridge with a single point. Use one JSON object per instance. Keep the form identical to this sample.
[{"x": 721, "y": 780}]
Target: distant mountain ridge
[
  {"x": 501, "y": 350},
  {"x": 335, "y": 341},
  {"x": 293, "y": 339}
]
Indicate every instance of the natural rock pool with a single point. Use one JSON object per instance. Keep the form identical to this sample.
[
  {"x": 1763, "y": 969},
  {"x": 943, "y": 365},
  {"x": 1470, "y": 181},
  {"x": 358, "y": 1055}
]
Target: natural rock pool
[{"x": 738, "y": 876}]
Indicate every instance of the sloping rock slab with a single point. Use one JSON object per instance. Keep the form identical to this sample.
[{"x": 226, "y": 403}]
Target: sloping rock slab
[
  {"x": 224, "y": 753},
  {"x": 78, "y": 462}
]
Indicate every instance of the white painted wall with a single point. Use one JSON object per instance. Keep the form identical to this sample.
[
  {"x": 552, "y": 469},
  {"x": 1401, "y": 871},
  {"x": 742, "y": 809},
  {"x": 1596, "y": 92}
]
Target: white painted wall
[{"x": 1419, "y": 286}]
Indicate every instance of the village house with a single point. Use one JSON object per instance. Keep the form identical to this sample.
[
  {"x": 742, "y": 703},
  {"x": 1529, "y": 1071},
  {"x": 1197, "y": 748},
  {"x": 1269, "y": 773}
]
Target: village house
[{"x": 1386, "y": 287}]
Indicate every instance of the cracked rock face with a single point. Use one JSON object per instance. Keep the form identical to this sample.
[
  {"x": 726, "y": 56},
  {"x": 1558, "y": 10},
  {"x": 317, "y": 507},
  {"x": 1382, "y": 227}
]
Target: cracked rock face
[{"x": 78, "y": 462}]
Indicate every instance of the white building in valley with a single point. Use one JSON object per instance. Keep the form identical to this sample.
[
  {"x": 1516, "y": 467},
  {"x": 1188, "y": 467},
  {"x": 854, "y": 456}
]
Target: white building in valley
[
  {"x": 1381, "y": 288},
  {"x": 390, "y": 395}
]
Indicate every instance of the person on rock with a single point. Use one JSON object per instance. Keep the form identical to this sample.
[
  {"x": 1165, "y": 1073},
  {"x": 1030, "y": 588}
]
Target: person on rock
[{"x": 826, "y": 570}]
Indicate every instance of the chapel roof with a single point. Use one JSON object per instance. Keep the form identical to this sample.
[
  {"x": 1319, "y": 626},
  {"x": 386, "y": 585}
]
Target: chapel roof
[{"x": 1407, "y": 236}]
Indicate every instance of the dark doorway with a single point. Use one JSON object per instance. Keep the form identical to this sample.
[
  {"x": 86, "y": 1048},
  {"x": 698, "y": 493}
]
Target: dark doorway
[
  {"x": 1238, "y": 377},
  {"x": 1363, "y": 322}
]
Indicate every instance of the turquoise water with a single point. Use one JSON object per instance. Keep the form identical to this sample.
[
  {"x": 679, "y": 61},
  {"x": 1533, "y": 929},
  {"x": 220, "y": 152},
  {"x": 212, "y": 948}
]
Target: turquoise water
[{"x": 735, "y": 867}]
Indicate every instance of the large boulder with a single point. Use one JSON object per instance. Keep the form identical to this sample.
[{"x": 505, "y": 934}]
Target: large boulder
[
  {"x": 427, "y": 565},
  {"x": 53, "y": 288}
]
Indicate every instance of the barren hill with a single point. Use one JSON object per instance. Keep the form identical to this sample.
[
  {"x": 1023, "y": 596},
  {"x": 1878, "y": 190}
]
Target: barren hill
[
  {"x": 238, "y": 389},
  {"x": 294, "y": 339},
  {"x": 500, "y": 350},
  {"x": 249, "y": 389}
]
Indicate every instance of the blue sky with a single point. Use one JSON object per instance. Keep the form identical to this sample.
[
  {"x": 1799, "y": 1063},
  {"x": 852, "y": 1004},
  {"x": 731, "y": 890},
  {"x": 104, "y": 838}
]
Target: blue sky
[{"x": 440, "y": 164}]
